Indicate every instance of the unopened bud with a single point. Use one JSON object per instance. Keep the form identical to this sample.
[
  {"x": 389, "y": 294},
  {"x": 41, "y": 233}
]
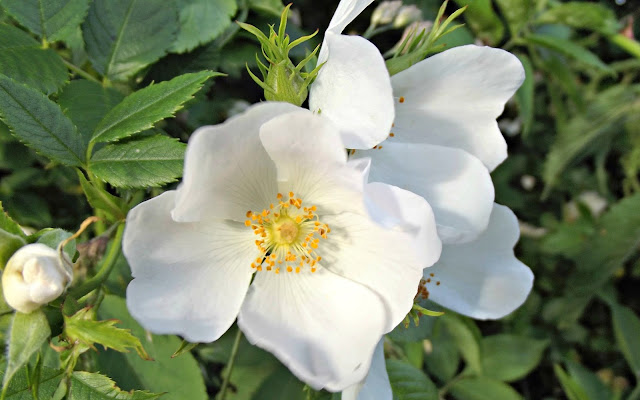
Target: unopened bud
[
  {"x": 35, "y": 275},
  {"x": 407, "y": 15},
  {"x": 385, "y": 12}
]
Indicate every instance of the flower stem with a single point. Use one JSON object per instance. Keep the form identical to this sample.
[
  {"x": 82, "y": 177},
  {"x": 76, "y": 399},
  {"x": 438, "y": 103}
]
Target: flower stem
[
  {"x": 232, "y": 361},
  {"x": 80, "y": 72},
  {"x": 105, "y": 269}
]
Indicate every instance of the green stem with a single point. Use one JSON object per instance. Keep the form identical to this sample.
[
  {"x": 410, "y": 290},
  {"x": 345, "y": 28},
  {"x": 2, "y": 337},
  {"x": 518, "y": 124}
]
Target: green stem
[
  {"x": 232, "y": 361},
  {"x": 80, "y": 72},
  {"x": 108, "y": 263}
]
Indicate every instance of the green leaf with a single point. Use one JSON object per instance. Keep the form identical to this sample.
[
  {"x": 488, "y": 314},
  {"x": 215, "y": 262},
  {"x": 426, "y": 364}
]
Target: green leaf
[
  {"x": 467, "y": 337},
  {"x": 20, "y": 386},
  {"x": 443, "y": 360},
  {"x": 201, "y": 21},
  {"x": 618, "y": 238},
  {"x": 22, "y": 59},
  {"x": 281, "y": 384},
  {"x": 9, "y": 244},
  {"x": 603, "y": 116},
  {"x": 509, "y": 357},
  {"x": 525, "y": 95},
  {"x": 124, "y": 36},
  {"x": 100, "y": 199},
  {"x": 54, "y": 236},
  {"x": 39, "y": 123},
  {"x": 185, "y": 347},
  {"x": 626, "y": 326},
  {"x": 592, "y": 16},
  {"x": 569, "y": 49},
  {"x": 273, "y": 7},
  {"x": 51, "y": 19},
  {"x": 408, "y": 382},
  {"x": 516, "y": 12},
  {"x": 591, "y": 382},
  {"x": 142, "y": 109},
  {"x": 83, "y": 328},
  {"x": 179, "y": 377},
  {"x": 571, "y": 388},
  {"x": 92, "y": 386},
  {"x": 27, "y": 333},
  {"x": 86, "y": 103},
  {"x": 483, "y": 389},
  {"x": 483, "y": 20},
  {"x": 9, "y": 225},
  {"x": 151, "y": 161}
]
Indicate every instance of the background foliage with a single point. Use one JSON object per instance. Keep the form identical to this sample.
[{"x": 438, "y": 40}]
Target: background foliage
[{"x": 97, "y": 99}]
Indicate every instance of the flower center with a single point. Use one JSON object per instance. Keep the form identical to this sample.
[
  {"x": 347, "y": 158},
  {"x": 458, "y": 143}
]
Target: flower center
[{"x": 288, "y": 235}]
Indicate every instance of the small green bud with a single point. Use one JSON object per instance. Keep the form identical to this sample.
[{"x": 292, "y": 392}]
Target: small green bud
[
  {"x": 285, "y": 84},
  {"x": 282, "y": 80}
]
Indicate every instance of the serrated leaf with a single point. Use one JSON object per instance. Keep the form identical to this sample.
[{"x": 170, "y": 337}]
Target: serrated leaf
[
  {"x": 443, "y": 360},
  {"x": 626, "y": 326},
  {"x": 151, "y": 161},
  {"x": 124, "y": 36},
  {"x": 509, "y": 357},
  {"x": 570, "y": 49},
  {"x": 86, "y": 103},
  {"x": 179, "y": 377},
  {"x": 142, "y": 109},
  {"x": 93, "y": 386},
  {"x": 593, "y": 16},
  {"x": 602, "y": 117},
  {"x": 99, "y": 199},
  {"x": 82, "y": 327},
  {"x": 409, "y": 382},
  {"x": 9, "y": 244},
  {"x": 8, "y": 224},
  {"x": 617, "y": 239},
  {"x": 482, "y": 389},
  {"x": 38, "y": 122},
  {"x": 27, "y": 334},
  {"x": 54, "y": 236},
  {"x": 52, "y": 19},
  {"x": 22, "y": 59},
  {"x": 201, "y": 21},
  {"x": 20, "y": 387}
]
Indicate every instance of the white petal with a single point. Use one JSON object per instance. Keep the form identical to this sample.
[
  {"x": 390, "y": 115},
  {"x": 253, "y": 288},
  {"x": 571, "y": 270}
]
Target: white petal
[
  {"x": 483, "y": 279},
  {"x": 376, "y": 385},
  {"x": 323, "y": 327},
  {"x": 346, "y": 12},
  {"x": 456, "y": 184},
  {"x": 227, "y": 171},
  {"x": 353, "y": 89},
  {"x": 190, "y": 278},
  {"x": 453, "y": 99},
  {"x": 385, "y": 260},
  {"x": 311, "y": 161}
]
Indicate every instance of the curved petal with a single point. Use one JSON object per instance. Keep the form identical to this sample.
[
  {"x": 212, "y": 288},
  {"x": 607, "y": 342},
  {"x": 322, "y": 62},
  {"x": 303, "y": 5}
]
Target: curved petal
[
  {"x": 456, "y": 184},
  {"x": 353, "y": 90},
  {"x": 311, "y": 162},
  {"x": 376, "y": 385},
  {"x": 483, "y": 279},
  {"x": 453, "y": 99},
  {"x": 320, "y": 325},
  {"x": 346, "y": 12},
  {"x": 190, "y": 278},
  {"x": 385, "y": 259},
  {"x": 227, "y": 171}
]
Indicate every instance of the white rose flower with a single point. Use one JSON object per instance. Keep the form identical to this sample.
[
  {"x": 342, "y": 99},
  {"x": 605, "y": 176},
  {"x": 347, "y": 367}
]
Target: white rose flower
[
  {"x": 274, "y": 226},
  {"x": 35, "y": 275}
]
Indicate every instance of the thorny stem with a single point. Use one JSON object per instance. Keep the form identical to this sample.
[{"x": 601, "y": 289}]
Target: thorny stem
[
  {"x": 108, "y": 263},
  {"x": 232, "y": 360}
]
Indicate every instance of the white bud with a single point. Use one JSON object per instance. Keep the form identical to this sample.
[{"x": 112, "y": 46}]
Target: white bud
[
  {"x": 35, "y": 275},
  {"x": 385, "y": 12},
  {"x": 407, "y": 15}
]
